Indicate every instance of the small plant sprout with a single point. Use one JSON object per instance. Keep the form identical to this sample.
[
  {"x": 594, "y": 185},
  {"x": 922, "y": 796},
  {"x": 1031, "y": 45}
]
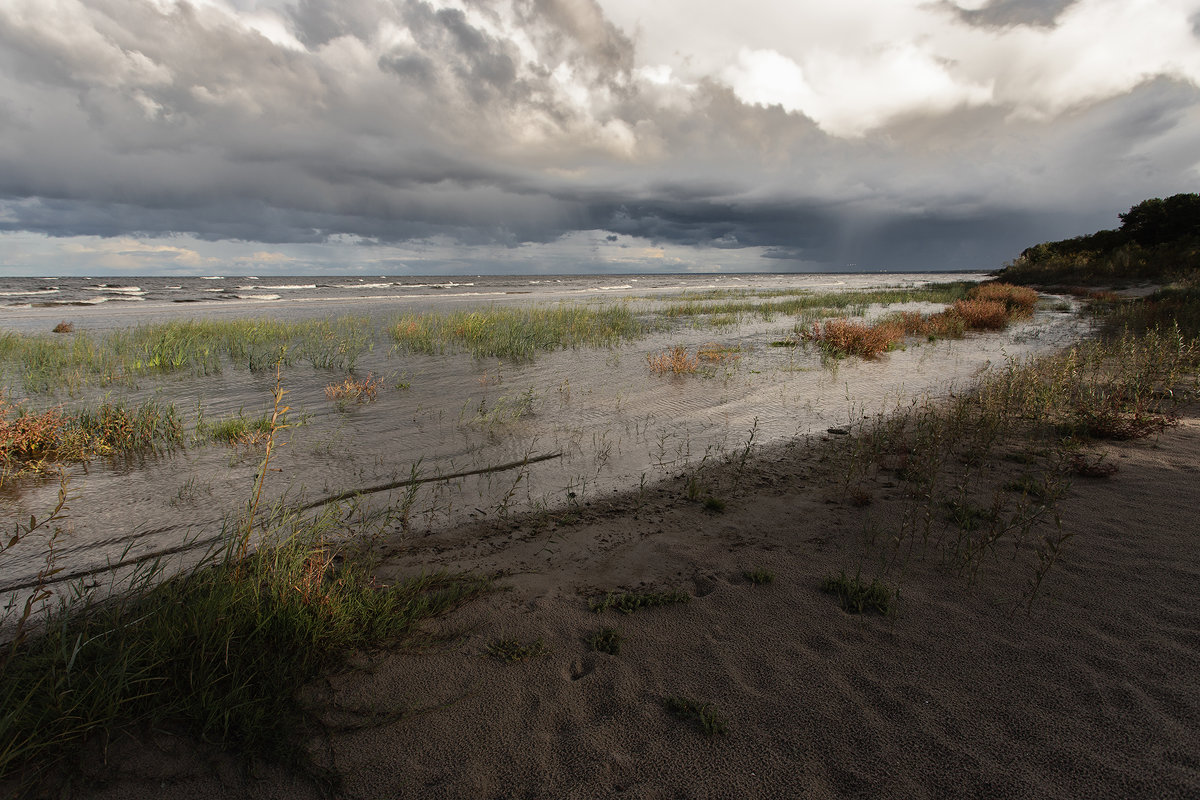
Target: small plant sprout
[
  {"x": 704, "y": 716},
  {"x": 354, "y": 391},
  {"x": 857, "y": 596},
  {"x": 605, "y": 640},
  {"x": 629, "y": 602},
  {"x": 513, "y": 650},
  {"x": 759, "y": 577}
]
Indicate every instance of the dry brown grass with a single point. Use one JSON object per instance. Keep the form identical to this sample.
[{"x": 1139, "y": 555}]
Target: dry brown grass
[
  {"x": 1019, "y": 301},
  {"x": 841, "y": 337},
  {"x": 363, "y": 390},
  {"x": 718, "y": 354},
  {"x": 982, "y": 315},
  {"x": 64, "y": 327},
  {"x": 675, "y": 361}
]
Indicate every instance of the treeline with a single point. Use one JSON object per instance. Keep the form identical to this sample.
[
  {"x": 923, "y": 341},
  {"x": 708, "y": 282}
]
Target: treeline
[{"x": 1158, "y": 239}]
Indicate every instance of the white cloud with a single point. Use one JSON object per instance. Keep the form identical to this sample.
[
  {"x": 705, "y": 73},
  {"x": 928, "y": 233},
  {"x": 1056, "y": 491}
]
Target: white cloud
[{"x": 856, "y": 65}]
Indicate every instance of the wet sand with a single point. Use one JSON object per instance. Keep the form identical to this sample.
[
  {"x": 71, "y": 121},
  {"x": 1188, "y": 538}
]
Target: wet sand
[{"x": 965, "y": 691}]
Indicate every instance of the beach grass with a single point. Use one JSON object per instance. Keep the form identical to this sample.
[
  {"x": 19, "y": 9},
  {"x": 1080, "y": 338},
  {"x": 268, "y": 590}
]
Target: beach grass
[
  {"x": 237, "y": 430},
  {"x": 856, "y": 595},
  {"x": 33, "y": 441},
  {"x": 221, "y": 650},
  {"x": 605, "y": 640},
  {"x": 512, "y": 650},
  {"x": 354, "y": 391},
  {"x": 629, "y": 602},
  {"x": 738, "y": 304},
  {"x": 705, "y": 716},
  {"x": 947, "y": 454},
  {"x": 759, "y": 577},
  {"x": 71, "y": 361},
  {"x": 517, "y": 334},
  {"x": 675, "y": 360},
  {"x": 986, "y": 307}
]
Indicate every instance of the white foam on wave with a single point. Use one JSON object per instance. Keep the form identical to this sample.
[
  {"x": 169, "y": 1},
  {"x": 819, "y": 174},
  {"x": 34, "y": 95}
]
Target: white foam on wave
[
  {"x": 258, "y": 297},
  {"x": 29, "y": 292},
  {"x": 609, "y": 288},
  {"x": 104, "y": 287},
  {"x": 282, "y": 287},
  {"x": 212, "y": 277},
  {"x": 361, "y": 285}
]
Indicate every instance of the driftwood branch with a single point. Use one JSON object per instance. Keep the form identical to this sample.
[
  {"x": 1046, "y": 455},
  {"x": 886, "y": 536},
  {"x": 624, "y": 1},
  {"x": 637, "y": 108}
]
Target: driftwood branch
[{"x": 324, "y": 501}]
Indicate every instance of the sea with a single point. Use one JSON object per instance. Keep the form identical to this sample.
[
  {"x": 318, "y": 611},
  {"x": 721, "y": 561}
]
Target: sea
[{"x": 27, "y": 302}]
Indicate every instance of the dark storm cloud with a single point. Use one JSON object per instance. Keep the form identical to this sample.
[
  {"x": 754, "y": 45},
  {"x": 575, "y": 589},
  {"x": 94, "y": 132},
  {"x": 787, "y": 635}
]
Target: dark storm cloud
[
  {"x": 502, "y": 123},
  {"x": 1002, "y": 13}
]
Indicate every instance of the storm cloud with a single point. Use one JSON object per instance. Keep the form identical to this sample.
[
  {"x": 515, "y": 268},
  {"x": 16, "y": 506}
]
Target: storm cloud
[{"x": 876, "y": 133}]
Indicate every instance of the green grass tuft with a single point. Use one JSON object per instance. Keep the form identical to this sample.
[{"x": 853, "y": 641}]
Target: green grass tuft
[
  {"x": 759, "y": 577},
  {"x": 605, "y": 640},
  {"x": 856, "y": 596},
  {"x": 629, "y": 602},
  {"x": 705, "y": 716},
  {"x": 221, "y": 650},
  {"x": 511, "y": 650}
]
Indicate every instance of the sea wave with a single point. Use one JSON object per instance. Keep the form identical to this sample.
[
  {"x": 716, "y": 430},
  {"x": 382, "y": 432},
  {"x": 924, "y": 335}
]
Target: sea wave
[
  {"x": 286, "y": 286},
  {"x": 29, "y": 292},
  {"x": 258, "y": 297},
  {"x": 104, "y": 287}
]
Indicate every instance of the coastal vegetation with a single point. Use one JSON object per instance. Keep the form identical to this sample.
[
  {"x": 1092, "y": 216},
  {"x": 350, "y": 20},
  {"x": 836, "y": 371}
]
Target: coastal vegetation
[
  {"x": 220, "y": 648},
  {"x": 516, "y": 333},
  {"x": 732, "y": 306},
  {"x": 1159, "y": 239},
  {"x": 705, "y": 716},
  {"x": 38, "y": 441},
  {"x": 987, "y": 307},
  {"x": 195, "y": 347}
]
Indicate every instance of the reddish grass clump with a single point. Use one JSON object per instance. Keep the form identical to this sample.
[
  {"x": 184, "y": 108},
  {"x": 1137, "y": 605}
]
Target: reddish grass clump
[
  {"x": 676, "y": 361},
  {"x": 64, "y": 327},
  {"x": 28, "y": 436},
  {"x": 982, "y": 315},
  {"x": 715, "y": 353},
  {"x": 350, "y": 390},
  {"x": 1019, "y": 301},
  {"x": 841, "y": 337}
]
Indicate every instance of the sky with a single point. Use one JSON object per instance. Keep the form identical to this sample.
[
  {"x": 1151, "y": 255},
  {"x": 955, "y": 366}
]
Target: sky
[{"x": 558, "y": 136}]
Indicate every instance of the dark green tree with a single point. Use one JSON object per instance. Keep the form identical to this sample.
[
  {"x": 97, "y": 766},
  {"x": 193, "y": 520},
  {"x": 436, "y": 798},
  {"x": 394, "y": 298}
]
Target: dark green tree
[{"x": 1158, "y": 221}]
